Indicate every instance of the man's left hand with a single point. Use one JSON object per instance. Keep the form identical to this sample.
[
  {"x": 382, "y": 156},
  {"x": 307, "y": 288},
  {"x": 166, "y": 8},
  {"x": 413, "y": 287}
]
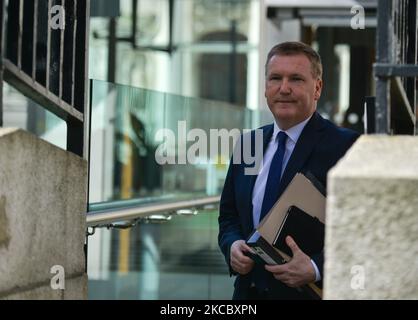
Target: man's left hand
[{"x": 298, "y": 271}]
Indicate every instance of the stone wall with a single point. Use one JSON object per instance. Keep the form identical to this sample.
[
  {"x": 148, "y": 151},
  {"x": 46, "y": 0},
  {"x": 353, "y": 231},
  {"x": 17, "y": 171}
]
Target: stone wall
[
  {"x": 43, "y": 194},
  {"x": 371, "y": 245}
]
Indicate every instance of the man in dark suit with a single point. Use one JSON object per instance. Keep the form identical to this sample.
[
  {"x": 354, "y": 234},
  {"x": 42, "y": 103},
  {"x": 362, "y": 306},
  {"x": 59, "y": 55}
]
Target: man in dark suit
[{"x": 299, "y": 140}]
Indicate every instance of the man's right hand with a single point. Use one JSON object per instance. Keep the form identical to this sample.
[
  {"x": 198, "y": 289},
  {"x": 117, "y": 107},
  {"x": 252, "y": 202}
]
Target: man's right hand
[{"x": 239, "y": 261}]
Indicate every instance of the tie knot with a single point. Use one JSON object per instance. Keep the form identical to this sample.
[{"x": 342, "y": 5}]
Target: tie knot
[{"x": 281, "y": 138}]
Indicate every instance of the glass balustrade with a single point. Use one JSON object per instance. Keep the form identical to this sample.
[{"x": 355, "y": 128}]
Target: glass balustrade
[
  {"x": 178, "y": 259},
  {"x": 148, "y": 148}
]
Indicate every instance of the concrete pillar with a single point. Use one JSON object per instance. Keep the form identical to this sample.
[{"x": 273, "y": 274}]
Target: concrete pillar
[
  {"x": 371, "y": 245},
  {"x": 43, "y": 194}
]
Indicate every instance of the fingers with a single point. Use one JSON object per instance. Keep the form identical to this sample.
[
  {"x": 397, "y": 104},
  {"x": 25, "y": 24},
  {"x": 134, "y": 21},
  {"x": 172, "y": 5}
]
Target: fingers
[
  {"x": 238, "y": 250},
  {"x": 239, "y": 261},
  {"x": 277, "y": 269},
  {"x": 292, "y": 245},
  {"x": 284, "y": 274},
  {"x": 246, "y": 248},
  {"x": 242, "y": 267},
  {"x": 241, "y": 257},
  {"x": 298, "y": 271}
]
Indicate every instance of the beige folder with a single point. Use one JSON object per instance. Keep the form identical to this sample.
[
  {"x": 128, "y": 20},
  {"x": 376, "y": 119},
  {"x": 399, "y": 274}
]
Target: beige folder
[{"x": 302, "y": 193}]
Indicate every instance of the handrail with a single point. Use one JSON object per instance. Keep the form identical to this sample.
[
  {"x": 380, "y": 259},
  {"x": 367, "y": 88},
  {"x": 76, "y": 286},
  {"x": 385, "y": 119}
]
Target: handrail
[{"x": 107, "y": 217}]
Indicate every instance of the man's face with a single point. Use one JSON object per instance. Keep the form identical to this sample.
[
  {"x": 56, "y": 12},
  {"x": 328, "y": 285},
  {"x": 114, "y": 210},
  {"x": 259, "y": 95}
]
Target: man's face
[{"x": 291, "y": 89}]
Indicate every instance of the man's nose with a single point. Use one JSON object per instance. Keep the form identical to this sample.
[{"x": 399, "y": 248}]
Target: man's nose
[{"x": 285, "y": 87}]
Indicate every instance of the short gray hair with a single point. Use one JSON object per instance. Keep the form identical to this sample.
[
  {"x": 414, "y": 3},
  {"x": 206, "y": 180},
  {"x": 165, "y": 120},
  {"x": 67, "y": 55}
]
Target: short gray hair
[{"x": 291, "y": 48}]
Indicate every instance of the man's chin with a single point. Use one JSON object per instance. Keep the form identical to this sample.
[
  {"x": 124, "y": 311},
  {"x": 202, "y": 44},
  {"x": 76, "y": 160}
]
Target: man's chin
[{"x": 285, "y": 115}]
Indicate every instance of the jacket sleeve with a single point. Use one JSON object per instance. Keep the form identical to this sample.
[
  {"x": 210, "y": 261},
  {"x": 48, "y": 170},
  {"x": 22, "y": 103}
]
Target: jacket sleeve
[
  {"x": 319, "y": 258},
  {"x": 319, "y": 261},
  {"x": 229, "y": 221}
]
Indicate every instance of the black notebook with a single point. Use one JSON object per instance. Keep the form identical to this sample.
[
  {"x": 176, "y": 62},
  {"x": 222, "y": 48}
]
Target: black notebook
[
  {"x": 263, "y": 250},
  {"x": 307, "y": 231}
]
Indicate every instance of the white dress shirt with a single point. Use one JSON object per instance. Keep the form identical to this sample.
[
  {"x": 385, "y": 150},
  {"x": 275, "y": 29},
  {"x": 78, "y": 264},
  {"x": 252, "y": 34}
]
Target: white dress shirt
[{"x": 293, "y": 134}]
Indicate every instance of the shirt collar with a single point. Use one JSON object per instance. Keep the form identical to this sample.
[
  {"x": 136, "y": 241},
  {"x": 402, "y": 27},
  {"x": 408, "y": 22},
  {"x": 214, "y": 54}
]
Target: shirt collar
[{"x": 294, "y": 132}]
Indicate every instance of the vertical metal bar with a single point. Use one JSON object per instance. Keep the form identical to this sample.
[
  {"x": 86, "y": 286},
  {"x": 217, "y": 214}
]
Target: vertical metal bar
[
  {"x": 111, "y": 65},
  {"x": 383, "y": 47},
  {"x": 398, "y": 44},
  {"x": 74, "y": 46},
  {"x": 404, "y": 19},
  {"x": 27, "y": 37},
  {"x": 68, "y": 45},
  {"x": 76, "y": 129},
  {"x": 48, "y": 46},
  {"x": 2, "y": 10},
  {"x": 80, "y": 57},
  {"x": 369, "y": 111},
  {"x": 35, "y": 38},
  {"x": 19, "y": 34},
  {"x": 87, "y": 110},
  {"x": 134, "y": 22},
  {"x": 401, "y": 43},
  {"x": 87, "y": 113},
  {"x": 41, "y": 43},
  {"x": 415, "y": 12},
  {"x": 75, "y": 137},
  {"x": 411, "y": 50},
  {"x": 61, "y": 62},
  {"x": 383, "y": 106},
  {"x": 170, "y": 25},
  {"x": 88, "y": 134}
]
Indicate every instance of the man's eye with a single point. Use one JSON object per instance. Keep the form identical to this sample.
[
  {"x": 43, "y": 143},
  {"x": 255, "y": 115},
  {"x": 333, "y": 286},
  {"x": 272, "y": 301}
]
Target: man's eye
[{"x": 297, "y": 79}]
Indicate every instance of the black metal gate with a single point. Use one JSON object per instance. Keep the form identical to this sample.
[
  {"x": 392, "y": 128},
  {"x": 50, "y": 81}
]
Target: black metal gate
[
  {"x": 44, "y": 56},
  {"x": 396, "y": 67}
]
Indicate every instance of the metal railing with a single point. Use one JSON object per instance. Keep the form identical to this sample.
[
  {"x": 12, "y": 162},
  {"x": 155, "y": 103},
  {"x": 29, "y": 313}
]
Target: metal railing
[
  {"x": 396, "y": 68},
  {"x": 127, "y": 217},
  {"x": 49, "y": 64}
]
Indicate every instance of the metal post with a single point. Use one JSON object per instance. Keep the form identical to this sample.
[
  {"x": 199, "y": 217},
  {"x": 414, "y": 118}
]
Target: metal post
[
  {"x": 134, "y": 22},
  {"x": 111, "y": 66},
  {"x": 170, "y": 25},
  {"x": 1, "y": 59},
  {"x": 383, "y": 46}
]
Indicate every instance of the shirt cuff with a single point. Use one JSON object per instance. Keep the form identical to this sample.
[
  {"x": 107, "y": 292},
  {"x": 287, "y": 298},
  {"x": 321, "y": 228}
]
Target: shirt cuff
[{"x": 317, "y": 274}]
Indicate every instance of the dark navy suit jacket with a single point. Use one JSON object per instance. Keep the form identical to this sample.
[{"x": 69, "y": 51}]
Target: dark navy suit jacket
[{"x": 319, "y": 147}]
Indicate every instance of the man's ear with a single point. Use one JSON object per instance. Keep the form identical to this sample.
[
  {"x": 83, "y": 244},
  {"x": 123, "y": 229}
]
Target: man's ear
[{"x": 318, "y": 88}]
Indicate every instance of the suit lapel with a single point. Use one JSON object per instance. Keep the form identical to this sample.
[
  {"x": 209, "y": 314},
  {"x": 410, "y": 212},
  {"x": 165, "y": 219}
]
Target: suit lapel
[{"x": 308, "y": 139}]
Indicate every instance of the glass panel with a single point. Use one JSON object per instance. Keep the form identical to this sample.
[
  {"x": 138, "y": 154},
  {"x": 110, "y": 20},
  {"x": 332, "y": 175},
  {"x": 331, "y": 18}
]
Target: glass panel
[
  {"x": 132, "y": 130},
  {"x": 208, "y": 39},
  {"x": 152, "y": 145},
  {"x": 22, "y": 112},
  {"x": 177, "y": 260},
  {"x": 215, "y": 20}
]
